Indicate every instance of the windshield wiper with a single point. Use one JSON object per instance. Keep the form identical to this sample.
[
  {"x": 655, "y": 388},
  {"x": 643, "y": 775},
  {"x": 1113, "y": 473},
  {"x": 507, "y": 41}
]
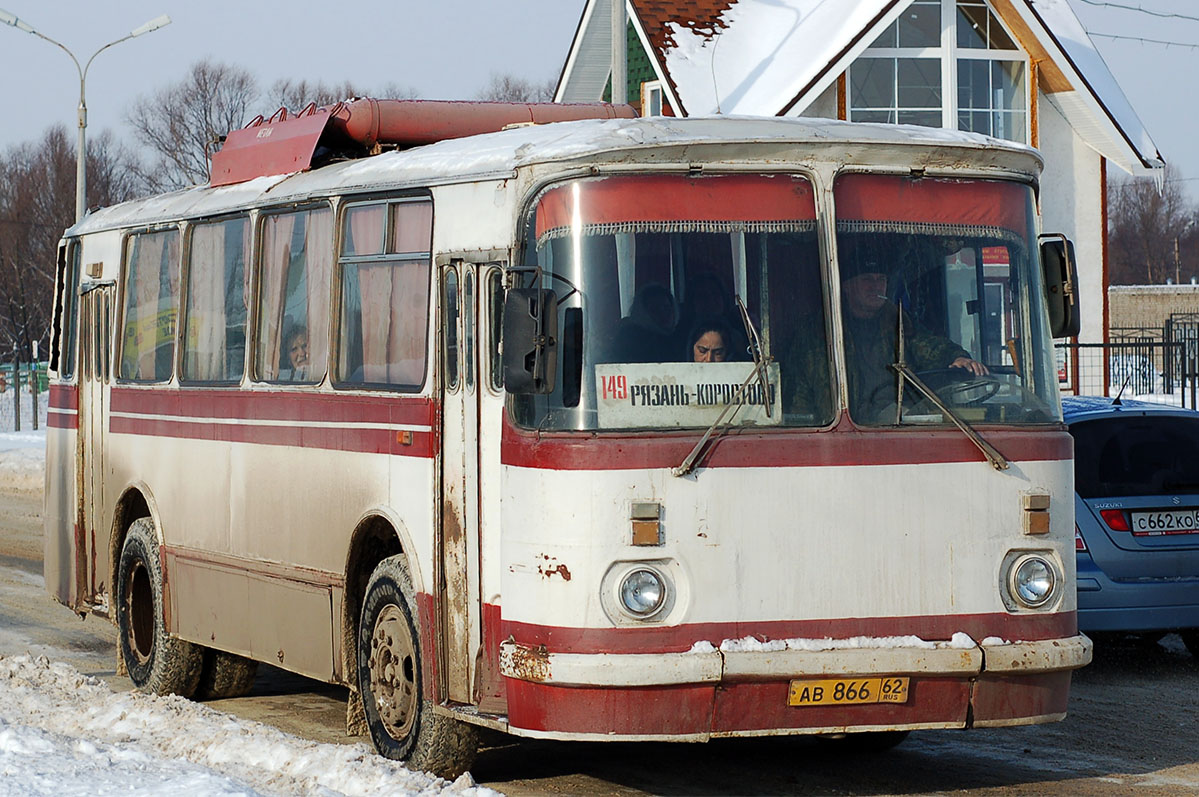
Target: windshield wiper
[
  {"x": 689, "y": 462},
  {"x": 997, "y": 460},
  {"x": 755, "y": 349}
]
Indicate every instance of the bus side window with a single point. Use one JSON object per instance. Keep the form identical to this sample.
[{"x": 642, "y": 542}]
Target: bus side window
[
  {"x": 151, "y": 305},
  {"x": 450, "y": 327},
  {"x": 66, "y": 312},
  {"x": 214, "y": 342},
  {"x": 297, "y": 267},
  {"x": 468, "y": 330},
  {"x": 495, "y": 325},
  {"x": 385, "y": 272}
]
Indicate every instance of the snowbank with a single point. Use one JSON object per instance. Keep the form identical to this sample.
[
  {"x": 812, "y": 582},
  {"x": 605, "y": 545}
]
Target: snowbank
[
  {"x": 66, "y": 734},
  {"x": 22, "y": 460}
]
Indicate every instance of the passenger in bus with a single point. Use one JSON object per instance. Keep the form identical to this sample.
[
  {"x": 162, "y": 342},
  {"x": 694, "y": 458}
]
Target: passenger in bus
[
  {"x": 297, "y": 356},
  {"x": 871, "y": 326},
  {"x": 647, "y": 333},
  {"x": 709, "y": 342},
  {"x": 707, "y": 299}
]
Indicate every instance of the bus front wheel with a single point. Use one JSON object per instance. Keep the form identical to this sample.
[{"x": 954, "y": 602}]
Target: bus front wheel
[
  {"x": 402, "y": 723},
  {"x": 157, "y": 663}
]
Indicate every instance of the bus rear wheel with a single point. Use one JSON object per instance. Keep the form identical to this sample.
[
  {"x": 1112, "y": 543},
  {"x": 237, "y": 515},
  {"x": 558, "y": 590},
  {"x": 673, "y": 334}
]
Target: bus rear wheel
[
  {"x": 225, "y": 675},
  {"x": 157, "y": 663},
  {"x": 402, "y": 723}
]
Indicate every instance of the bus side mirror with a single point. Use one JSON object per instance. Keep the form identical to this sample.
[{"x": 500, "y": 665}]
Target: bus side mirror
[
  {"x": 530, "y": 340},
  {"x": 1061, "y": 284}
]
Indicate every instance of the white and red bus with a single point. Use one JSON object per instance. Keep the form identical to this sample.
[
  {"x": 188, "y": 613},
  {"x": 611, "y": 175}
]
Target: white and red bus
[{"x": 432, "y": 423}]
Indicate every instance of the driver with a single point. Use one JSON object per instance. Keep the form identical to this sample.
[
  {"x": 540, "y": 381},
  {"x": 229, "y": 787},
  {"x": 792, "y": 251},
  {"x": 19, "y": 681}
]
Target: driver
[{"x": 871, "y": 325}]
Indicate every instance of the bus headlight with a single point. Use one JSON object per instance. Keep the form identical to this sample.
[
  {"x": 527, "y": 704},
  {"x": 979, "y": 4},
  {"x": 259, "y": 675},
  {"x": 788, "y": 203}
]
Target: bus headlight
[
  {"x": 1032, "y": 581},
  {"x": 643, "y": 592}
]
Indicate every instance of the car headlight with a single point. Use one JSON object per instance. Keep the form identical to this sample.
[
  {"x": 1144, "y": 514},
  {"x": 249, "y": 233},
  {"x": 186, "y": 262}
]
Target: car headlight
[
  {"x": 643, "y": 592},
  {"x": 1033, "y": 581}
]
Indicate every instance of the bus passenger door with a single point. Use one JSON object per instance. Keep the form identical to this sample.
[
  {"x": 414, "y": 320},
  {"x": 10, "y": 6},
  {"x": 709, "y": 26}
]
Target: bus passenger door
[
  {"x": 459, "y": 583},
  {"x": 91, "y": 532}
]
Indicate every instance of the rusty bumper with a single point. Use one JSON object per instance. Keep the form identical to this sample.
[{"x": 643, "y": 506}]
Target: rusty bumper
[{"x": 537, "y": 665}]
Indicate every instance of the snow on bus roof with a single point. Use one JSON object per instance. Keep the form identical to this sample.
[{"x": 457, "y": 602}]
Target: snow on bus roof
[{"x": 499, "y": 155}]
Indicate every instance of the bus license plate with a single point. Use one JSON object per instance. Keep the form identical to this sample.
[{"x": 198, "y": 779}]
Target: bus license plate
[
  {"x": 1168, "y": 522},
  {"x": 848, "y": 691}
]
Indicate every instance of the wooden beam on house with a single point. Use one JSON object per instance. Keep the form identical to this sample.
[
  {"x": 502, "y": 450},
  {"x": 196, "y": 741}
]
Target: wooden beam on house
[{"x": 1050, "y": 78}]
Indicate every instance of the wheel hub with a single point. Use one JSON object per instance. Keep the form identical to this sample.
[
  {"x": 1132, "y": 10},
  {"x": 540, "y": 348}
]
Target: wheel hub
[{"x": 393, "y": 672}]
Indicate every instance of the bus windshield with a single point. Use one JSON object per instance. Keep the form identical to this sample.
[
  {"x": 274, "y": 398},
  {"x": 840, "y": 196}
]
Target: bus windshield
[
  {"x": 665, "y": 283},
  {"x": 956, "y": 256},
  {"x": 652, "y": 272}
]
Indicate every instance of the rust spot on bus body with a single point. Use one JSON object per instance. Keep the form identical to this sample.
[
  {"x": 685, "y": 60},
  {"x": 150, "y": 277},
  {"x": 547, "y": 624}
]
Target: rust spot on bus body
[
  {"x": 525, "y": 664},
  {"x": 549, "y": 569}
]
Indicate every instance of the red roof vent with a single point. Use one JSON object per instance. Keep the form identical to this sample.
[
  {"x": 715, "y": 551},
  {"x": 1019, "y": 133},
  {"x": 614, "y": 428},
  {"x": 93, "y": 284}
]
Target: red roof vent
[{"x": 284, "y": 144}]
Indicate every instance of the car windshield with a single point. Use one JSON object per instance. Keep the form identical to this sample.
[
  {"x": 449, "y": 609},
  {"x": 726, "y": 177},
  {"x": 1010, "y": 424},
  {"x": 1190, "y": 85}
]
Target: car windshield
[
  {"x": 651, "y": 271},
  {"x": 1135, "y": 455},
  {"x": 957, "y": 257}
]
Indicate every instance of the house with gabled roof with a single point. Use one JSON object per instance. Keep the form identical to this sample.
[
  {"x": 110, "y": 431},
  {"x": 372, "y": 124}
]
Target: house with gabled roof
[{"x": 1022, "y": 70}]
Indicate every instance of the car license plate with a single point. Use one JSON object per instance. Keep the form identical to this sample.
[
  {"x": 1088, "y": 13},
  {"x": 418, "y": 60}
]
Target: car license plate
[
  {"x": 848, "y": 691},
  {"x": 1176, "y": 521}
]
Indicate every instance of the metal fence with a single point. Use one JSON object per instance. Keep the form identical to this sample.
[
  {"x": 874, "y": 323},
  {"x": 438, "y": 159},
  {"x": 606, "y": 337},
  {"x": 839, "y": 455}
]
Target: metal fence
[
  {"x": 1159, "y": 364},
  {"x": 23, "y": 397}
]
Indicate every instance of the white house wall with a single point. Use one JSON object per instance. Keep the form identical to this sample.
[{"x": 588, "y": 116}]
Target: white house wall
[
  {"x": 1072, "y": 203},
  {"x": 824, "y": 106}
]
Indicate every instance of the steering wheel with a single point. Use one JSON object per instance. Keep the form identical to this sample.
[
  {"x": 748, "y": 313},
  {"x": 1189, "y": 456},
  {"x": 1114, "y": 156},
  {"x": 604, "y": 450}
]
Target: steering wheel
[{"x": 959, "y": 387}]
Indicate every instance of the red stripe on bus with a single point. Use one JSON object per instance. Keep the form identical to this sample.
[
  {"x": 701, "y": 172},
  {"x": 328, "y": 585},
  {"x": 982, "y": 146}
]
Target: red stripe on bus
[
  {"x": 62, "y": 420},
  {"x": 64, "y": 397},
  {"x": 734, "y": 707},
  {"x": 680, "y": 638},
  {"x": 366, "y": 441},
  {"x": 746, "y": 707},
  {"x": 274, "y": 405},
  {"x": 660, "y": 710},
  {"x": 842, "y": 446}
]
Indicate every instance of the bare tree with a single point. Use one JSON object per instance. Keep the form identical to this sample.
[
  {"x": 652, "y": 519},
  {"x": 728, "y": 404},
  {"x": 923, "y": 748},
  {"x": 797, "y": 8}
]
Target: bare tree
[
  {"x": 1149, "y": 231},
  {"x": 509, "y": 88},
  {"x": 181, "y": 123},
  {"x": 37, "y": 189}
]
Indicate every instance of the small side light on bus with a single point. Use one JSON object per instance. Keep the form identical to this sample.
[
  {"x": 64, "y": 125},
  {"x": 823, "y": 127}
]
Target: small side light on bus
[
  {"x": 643, "y": 593},
  {"x": 1033, "y": 581}
]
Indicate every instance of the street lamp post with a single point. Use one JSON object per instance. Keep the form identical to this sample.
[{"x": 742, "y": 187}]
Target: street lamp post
[{"x": 81, "y": 155}]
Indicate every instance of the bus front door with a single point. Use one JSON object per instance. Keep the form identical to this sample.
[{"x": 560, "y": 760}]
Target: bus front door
[
  {"x": 458, "y": 590},
  {"x": 91, "y": 532}
]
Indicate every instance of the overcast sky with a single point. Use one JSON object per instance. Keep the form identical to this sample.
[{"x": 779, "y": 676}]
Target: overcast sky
[{"x": 446, "y": 49}]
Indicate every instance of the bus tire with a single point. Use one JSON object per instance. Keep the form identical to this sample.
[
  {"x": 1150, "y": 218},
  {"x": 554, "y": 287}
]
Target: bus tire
[
  {"x": 225, "y": 675},
  {"x": 157, "y": 662},
  {"x": 401, "y": 722}
]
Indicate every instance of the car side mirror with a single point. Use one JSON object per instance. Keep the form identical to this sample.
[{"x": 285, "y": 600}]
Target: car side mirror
[
  {"x": 1060, "y": 273},
  {"x": 530, "y": 340}
]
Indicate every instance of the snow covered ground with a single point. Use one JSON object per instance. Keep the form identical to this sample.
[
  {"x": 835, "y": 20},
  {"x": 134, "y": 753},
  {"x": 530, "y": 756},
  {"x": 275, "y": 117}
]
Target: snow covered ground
[
  {"x": 65, "y": 734},
  {"x": 22, "y": 459}
]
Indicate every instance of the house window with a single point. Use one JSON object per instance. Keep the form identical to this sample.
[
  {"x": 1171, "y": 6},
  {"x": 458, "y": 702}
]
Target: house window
[
  {"x": 651, "y": 98},
  {"x": 944, "y": 63}
]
